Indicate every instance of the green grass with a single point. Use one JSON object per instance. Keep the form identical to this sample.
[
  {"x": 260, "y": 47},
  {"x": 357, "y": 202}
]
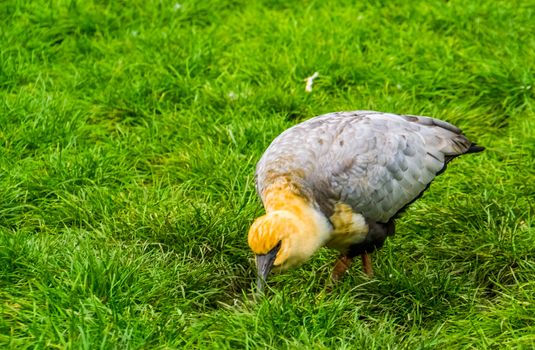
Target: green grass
[{"x": 129, "y": 132}]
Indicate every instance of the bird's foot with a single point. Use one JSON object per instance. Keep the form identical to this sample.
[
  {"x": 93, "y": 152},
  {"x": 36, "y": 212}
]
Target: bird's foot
[
  {"x": 367, "y": 264},
  {"x": 340, "y": 268}
]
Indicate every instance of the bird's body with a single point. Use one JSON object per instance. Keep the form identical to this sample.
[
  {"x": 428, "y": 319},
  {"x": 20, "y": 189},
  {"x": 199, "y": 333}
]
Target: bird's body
[{"x": 342, "y": 178}]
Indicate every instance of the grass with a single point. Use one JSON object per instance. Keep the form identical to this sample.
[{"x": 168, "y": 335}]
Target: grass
[{"x": 129, "y": 134}]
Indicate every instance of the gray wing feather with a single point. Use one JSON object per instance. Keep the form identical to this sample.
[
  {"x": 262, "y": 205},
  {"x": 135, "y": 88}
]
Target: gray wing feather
[{"x": 375, "y": 162}]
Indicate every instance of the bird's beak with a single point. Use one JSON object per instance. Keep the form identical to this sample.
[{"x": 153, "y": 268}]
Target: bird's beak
[{"x": 264, "y": 264}]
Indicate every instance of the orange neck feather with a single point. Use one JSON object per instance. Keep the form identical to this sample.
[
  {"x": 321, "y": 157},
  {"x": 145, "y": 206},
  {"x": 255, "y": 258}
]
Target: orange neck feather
[{"x": 284, "y": 195}]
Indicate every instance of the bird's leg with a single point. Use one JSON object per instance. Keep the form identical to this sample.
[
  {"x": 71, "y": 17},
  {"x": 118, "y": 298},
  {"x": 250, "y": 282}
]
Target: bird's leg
[
  {"x": 342, "y": 265},
  {"x": 367, "y": 264}
]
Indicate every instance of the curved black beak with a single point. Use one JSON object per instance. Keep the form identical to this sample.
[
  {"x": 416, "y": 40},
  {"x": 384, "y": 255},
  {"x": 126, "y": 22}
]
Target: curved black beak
[{"x": 264, "y": 264}]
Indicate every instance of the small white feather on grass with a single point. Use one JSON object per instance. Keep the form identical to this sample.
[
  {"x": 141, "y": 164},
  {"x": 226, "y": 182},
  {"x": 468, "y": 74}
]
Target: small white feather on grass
[{"x": 310, "y": 81}]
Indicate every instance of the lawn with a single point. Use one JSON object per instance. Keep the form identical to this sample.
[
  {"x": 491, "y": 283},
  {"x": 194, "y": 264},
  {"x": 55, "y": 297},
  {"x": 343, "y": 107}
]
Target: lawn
[{"x": 129, "y": 133}]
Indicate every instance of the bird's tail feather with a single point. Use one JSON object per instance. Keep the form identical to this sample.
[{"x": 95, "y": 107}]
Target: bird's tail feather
[{"x": 475, "y": 148}]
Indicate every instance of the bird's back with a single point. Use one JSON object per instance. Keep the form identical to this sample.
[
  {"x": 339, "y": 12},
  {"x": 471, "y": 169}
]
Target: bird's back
[{"x": 375, "y": 162}]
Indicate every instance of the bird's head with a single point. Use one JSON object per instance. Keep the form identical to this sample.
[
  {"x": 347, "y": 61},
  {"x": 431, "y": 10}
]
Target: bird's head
[{"x": 281, "y": 240}]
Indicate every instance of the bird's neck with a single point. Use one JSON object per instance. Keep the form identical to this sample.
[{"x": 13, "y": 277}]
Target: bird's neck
[
  {"x": 287, "y": 196},
  {"x": 284, "y": 195}
]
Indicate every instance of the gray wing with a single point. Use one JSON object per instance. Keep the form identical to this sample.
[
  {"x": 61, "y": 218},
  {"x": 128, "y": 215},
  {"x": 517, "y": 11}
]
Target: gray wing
[{"x": 375, "y": 162}]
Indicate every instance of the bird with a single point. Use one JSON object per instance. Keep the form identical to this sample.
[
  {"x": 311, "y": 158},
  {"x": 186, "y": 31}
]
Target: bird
[{"x": 340, "y": 180}]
